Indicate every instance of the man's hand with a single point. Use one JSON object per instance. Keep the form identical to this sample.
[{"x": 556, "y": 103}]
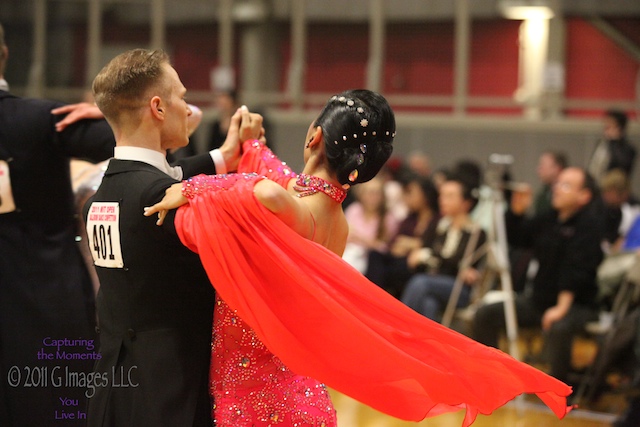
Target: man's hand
[
  {"x": 405, "y": 244},
  {"x": 415, "y": 258},
  {"x": 551, "y": 316},
  {"x": 172, "y": 199},
  {"x": 76, "y": 112},
  {"x": 251, "y": 126},
  {"x": 558, "y": 311},
  {"x": 470, "y": 276},
  {"x": 521, "y": 199},
  {"x": 244, "y": 126}
]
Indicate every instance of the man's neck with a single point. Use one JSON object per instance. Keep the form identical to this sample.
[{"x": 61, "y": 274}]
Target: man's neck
[
  {"x": 141, "y": 139},
  {"x": 567, "y": 214},
  {"x": 132, "y": 143}
]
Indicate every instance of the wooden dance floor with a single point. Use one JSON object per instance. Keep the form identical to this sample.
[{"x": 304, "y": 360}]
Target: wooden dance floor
[
  {"x": 525, "y": 411},
  {"x": 520, "y": 413}
]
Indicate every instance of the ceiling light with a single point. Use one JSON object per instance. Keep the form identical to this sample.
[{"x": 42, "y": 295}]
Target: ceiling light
[{"x": 526, "y": 9}]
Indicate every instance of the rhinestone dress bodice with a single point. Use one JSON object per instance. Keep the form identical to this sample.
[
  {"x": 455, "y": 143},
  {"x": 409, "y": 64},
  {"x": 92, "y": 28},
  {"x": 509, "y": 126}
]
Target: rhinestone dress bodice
[{"x": 252, "y": 387}]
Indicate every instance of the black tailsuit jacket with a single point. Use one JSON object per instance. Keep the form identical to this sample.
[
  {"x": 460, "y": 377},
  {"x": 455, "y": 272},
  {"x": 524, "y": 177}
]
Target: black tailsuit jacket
[
  {"x": 155, "y": 310},
  {"x": 45, "y": 290}
]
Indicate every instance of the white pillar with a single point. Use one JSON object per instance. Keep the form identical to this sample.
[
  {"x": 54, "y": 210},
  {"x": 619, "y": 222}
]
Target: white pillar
[
  {"x": 36, "y": 85},
  {"x": 376, "y": 46},
  {"x": 554, "y": 79},
  {"x": 534, "y": 41},
  {"x": 298, "y": 52},
  {"x": 462, "y": 43},
  {"x": 223, "y": 76},
  {"x": 158, "y": 24},
  {"x": 225, "y": 34},
  {"x": 94, "y": 39}
]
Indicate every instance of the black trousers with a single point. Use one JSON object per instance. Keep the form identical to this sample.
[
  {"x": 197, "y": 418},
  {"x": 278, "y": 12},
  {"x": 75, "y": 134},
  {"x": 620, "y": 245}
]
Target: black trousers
[{"x": 489, "y": 323}]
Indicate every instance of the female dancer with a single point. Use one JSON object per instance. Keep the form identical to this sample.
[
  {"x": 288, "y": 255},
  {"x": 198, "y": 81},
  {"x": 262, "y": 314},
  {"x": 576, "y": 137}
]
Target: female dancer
[{"x": 273, "y": 260}]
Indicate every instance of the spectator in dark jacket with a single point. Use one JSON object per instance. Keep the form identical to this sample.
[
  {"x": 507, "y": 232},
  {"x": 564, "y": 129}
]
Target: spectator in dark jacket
[
  {"x": 613, "y": 151},
  {"x": 567, "y": 244}
]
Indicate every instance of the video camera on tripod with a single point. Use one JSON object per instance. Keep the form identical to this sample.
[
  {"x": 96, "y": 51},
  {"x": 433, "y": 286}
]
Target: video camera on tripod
[{"x": 498, "y": 178}]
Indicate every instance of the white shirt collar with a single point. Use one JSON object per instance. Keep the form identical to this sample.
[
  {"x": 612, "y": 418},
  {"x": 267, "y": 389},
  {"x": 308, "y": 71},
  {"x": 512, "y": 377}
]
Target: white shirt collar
[
  {"x": 151, "y": 157},
  {"x": 4, "y": 85}
]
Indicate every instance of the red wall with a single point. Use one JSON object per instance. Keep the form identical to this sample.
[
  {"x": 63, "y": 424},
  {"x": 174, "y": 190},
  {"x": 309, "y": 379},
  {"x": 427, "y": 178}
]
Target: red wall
[
  {"x": 193, "y": 50},
  {"x": 596, "y": 68},
  {"x": 419, "y": 58},
  {"x": 494, "y": 58},
  {"x": 336, "y": 57}
]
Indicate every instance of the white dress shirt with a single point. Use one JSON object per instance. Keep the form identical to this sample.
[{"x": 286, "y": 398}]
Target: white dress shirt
[
  {"x": 159, "y": 161},
  {"x": 151, "y": 157}
]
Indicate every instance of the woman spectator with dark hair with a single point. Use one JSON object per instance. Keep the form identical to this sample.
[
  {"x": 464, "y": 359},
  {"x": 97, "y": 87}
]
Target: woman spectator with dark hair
[
  {"x": 441, "y": 257},
  {"x": 390, "y": 270}
]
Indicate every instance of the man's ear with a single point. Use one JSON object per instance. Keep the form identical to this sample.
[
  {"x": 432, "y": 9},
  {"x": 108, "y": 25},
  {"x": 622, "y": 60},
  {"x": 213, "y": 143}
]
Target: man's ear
[{"x": 157, "y": 107}]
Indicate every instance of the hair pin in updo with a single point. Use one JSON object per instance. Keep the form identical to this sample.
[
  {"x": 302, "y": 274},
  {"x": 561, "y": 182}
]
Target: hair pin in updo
[{"x": 363, "y": 122}]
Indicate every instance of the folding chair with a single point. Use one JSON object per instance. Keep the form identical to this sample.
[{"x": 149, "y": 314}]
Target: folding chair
[
  {"x": 471, "y": 256},
  {"x": 615, "y": 339}
]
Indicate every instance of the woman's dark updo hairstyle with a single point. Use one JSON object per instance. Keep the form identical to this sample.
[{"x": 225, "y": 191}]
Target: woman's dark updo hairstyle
[{"x": 358, "y": 128}]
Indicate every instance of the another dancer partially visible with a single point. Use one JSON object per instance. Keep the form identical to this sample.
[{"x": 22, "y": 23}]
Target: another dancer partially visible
[
  {"x": 45, "y": 291},
  {"x": 154, "y": 318},
  {"x": 271, "y": 250}
]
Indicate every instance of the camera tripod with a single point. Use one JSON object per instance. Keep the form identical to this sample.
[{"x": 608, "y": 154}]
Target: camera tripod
[{"x": 497, "y": 266}]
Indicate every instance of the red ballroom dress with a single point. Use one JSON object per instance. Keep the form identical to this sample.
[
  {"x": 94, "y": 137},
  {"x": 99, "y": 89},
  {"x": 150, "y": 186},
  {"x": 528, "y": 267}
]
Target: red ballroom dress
[{"x": 322, "y": 319}]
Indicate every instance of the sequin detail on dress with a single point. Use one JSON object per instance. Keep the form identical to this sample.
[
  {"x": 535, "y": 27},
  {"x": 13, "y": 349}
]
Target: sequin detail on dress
[
  {"x": 306, "y": 185},
  {"x": 204, "y": 183},
  {"x": 252, "y": 387},
  {"x": 257, "y": 157}
]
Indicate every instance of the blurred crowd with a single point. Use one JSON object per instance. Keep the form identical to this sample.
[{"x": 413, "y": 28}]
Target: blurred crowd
[{"x": 432, "y": 238}]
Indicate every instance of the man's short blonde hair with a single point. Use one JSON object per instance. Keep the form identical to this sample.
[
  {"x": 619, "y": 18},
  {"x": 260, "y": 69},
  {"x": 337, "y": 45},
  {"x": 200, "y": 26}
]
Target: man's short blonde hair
[{"x": 124, "y": 84}]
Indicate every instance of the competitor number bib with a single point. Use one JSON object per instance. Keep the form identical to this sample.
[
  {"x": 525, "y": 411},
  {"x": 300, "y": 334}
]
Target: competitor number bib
[{"x": 103, "y": 233}]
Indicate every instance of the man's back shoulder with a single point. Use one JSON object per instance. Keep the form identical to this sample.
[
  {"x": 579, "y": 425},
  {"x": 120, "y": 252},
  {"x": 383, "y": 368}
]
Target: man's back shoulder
[
  {"x": 26, "y": 117},
  {"x": 14, "y": 103},
  {"x": 125, "y": 179}
]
